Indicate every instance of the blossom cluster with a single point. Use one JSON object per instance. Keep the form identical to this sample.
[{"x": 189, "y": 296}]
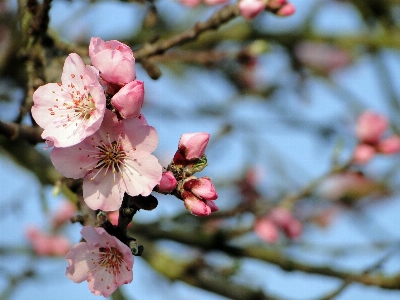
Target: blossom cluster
[
  {"x": 93, "y": 122},
  {"x": 370, "y": 129}
]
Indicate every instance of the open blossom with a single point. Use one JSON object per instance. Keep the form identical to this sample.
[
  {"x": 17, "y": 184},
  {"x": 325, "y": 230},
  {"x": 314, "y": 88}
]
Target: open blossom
[
  {"x": 113, "y": 59},
  {"x": 115, "y": 160},
  {"x": 103, "y": 260},
  {"x": 71, "y": 110}
]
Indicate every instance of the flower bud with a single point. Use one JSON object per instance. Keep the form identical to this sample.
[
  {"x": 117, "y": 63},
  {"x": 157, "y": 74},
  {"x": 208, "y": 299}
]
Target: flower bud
[
  {"x": 250, "y": 8},
  {"x": 370, "y": 127},
  {"x": 363, "y": 153},
  {"x": 195, "y": 205},
  {"x": 390, "y": 145},
  {"x": 201, "y": 187},
  {"x": 266, "y": 230},
  {"x": 129, "y": 99},
  {"x": 167, "y": 183},
  {"x": 113, "y": 59},
  {"x": 193, "y": 145}
]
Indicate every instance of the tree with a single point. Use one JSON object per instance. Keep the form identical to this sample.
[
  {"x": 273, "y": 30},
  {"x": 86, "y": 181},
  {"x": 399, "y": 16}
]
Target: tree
[{"x": 291, "y": 122}]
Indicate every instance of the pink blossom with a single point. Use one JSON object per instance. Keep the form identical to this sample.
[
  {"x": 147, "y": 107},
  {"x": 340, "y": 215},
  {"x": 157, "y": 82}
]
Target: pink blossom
[
  {"x": 293, "y": 229},
  {"x": 63, "y": 214},
  {"x": 201, "y": 187},
  {"x": 251, "y": 8},
  {"x": 193, "y": 145},
  {"x": 286, "y": 10},
  {"x": 103, "y": 260},
  {"x": 44, "y": 244},
  {"x": 321, "y": 56},
  {"x": 267, "y": 230},
  {"x": 370, "y": 127},
  {"x": 391, "y": 145},
  {"x": 280, "y": 216},
  {"x": 190, "y": 3},
  {"x": 348, "y": 186},
  {"x": 129, "y": 99},
  {"x": 115, "y": 160},
  {"x": 72, "y": 110},
  {"x": 167, "y": 183},
  {"x": 113, "y": 59},
  {"x": 215, "y": 2},
  {"x": 196, "y": 206},
  {"x": 363, "y": 153}
]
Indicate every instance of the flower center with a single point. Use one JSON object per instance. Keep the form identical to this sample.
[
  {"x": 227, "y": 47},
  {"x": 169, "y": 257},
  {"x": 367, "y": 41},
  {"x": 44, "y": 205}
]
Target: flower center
[
  {"x": 110, "y": 259},
  {"x": 108, "y": 156}
]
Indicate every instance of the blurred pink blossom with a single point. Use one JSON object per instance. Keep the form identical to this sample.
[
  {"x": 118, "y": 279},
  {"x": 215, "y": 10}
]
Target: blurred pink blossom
[
  {"x": 267, "y": 230},
  {"x": 390, "y": 145},
  {"x": 322, "y": 57},
  {"x": 250, "y": 8},
  {"x": 363, "y": 153},
  {"x": 103, "y": 260},
  {"x": 63, "y": 214},
  {"x": 44, "y": 244},
  {"x": 370, "y": 127}
]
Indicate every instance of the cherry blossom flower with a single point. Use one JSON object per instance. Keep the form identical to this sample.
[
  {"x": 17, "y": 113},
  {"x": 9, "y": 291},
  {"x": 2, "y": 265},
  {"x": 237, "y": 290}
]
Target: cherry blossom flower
[
  {"x": 71, "y": 110},
  {"x": 113, "y": 59},
  {"x": 103, "y": 260},
  {"x": 114, "y": 160}
]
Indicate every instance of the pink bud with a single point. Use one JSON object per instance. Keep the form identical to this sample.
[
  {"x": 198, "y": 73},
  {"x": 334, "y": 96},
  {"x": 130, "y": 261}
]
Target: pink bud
[
  {"x": 266, "y": 230},
  {"x": 293, "y": 229},
  {"x": 370, "y": 127},
  {"x": 113, "y": 59},
  {"x": 195, "y": 205},
  {"x": 212, "y": 205},
  {"x": 280, "y": 216},
  {"x": 64, "y": 213},
  {"x": 286, "y": 10},
  {"x": 201, "y": 188},
  {"x": 190, "y": 3},
  {"x": 129, "y": 99},
  {"x": 390, "y": 145},
  {"x": 44, "y": 244},
  {"x": 363, "y": 153},
  {"x": 113, "y": 216},
  {"x": 193, "y": 145},
  {"x": 250, "y": 8},
  {"x": 167, "y": 183},
  {"x": 215, "y": 2}
]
